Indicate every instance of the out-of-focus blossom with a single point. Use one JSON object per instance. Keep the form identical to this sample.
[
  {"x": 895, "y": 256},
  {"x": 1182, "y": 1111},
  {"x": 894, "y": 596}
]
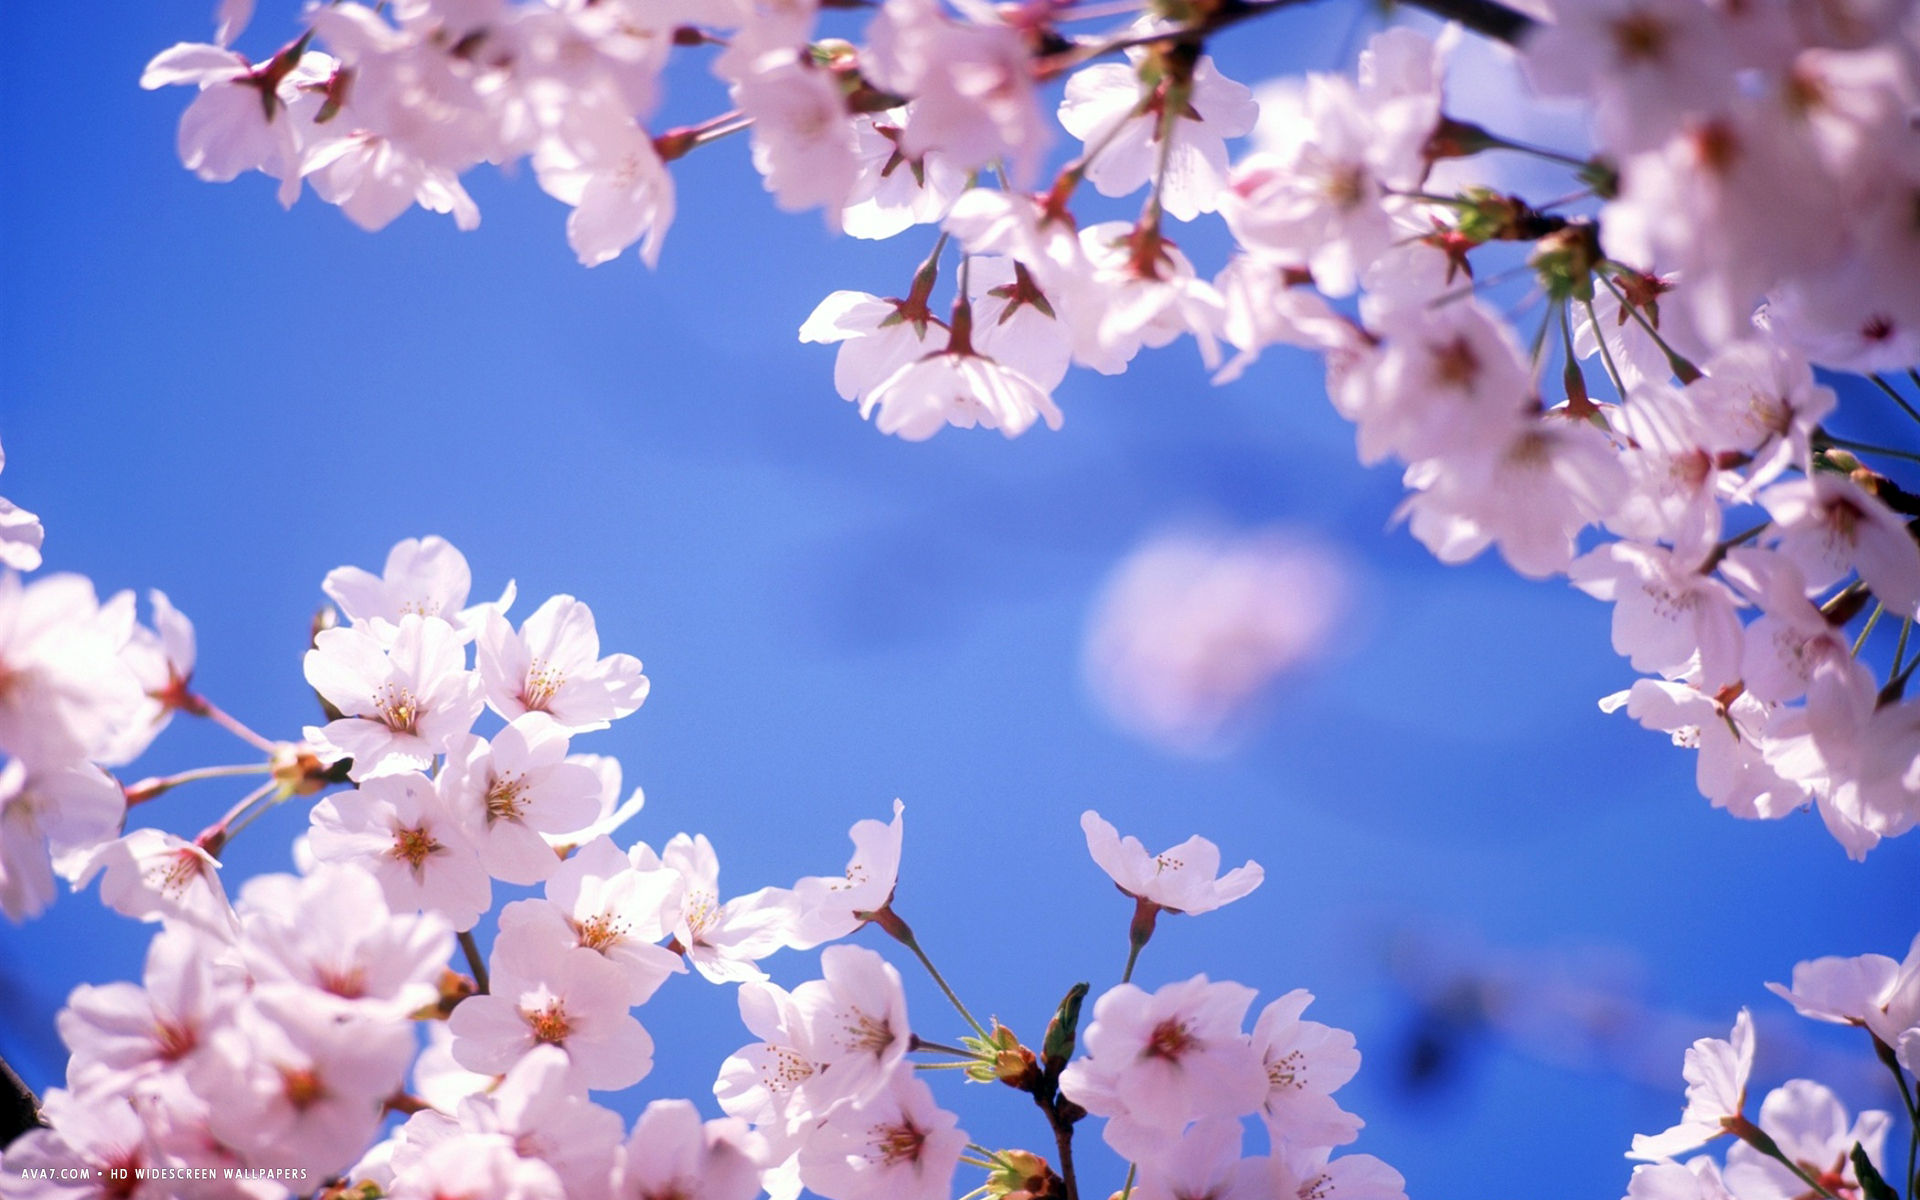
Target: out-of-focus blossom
[{"x": 1191, "y": 629}]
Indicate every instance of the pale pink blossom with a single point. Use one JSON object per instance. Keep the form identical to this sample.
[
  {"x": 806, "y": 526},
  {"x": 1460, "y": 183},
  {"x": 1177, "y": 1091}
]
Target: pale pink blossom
[
  {"x": 1192, "y": 628},
  {"x": 1829, "y": 526},
  {"x": 400, "y": 829},
  {"x": 877, "y": 339},
  {"x": 512, "y": 792},
  {"x": 829, "y": 907},
  {"x": 152, "y": 876},
  {"x": 333, "y": 931},
  {"x": 553, "y": 665},
  {"x": 971, "y": 83},
  {"x": 1871, "y": 990},
  {"x": 59, "y": 813},
  {"x": 401, "y": 703},
  {"x": 1107, "y": 107},
  {"x": 304, "y": 1083},
  {"x": 1809, "y": 1125},
  {"x": 477, "y": 1167},
  {"x": 1184, "y": 879},
  {"x": 1306, "y": 1062},
  {"x": 425, "y": 577},
  {"x": 1307, "y": 1173},
  {"x": 957, "y": 388},
  {"x": 900, "y": 1146},
  {"x": 545, "y": 993},
  {"x": 673, "y": 1154},
  {"x": 1665, "y": 612},
  {"x": 599, "y": 900},
  {"x": 1716, "y": 1071},
  {"x": 722, "y": 941},
  {"x": 20, "y": 534},
  {"x": 1158, "y": 1060},
  {"x": 894, "y": 191},
  {"x": 607, "y": 170}
]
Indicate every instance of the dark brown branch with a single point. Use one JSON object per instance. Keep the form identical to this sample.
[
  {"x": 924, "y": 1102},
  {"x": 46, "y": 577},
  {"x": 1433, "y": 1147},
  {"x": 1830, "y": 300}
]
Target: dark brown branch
[
  {"x": 19, "y": 1107},
  {"x": 1488, "y": 18}
]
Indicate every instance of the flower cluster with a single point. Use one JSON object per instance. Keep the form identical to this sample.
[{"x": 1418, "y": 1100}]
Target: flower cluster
[
  {"x": 1803, "y": 1143},
  {"x": 1744, "y": 217},
  {"x": 272, "y": 1040}
]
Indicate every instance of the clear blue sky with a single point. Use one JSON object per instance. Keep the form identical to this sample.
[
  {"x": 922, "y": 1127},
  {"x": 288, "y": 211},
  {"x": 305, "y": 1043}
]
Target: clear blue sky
[{"x": 201, "y": 393}]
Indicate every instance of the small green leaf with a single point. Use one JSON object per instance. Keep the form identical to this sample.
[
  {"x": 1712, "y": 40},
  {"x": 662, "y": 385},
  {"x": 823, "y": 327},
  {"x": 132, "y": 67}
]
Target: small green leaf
[
  {"x": 1058, "y": 1046},
  {"x": 1874, "y": 1187}
]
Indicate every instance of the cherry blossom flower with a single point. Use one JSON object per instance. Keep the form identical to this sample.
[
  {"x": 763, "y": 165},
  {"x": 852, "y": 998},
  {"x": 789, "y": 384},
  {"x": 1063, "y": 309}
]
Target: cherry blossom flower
[
  {"x": 152, "y": 875},
  {"x": 1306, "y": 1062},
  {"x": 553, "y": 665},
  {"x": 1183, "y": 879},
  {"x": 1665, "y": 612},
  {"x": 1716, "y": 1072},
  {"x": 548, "y": 994},
  {"x": 21, "y": 535},
  {"x": 829, "y": 907},
  {"x": 608, "y": 171},
  {"x": 120, "y": 1033},
  {"x": 600, "y": 901},
  {"x": 247, "y": 117},
  {"x": 1308, "y": 1174},
  {"x": 1193, "y": 626},
  {"x": 64, "y": 812},
  {"x": 1870, "y": 989},
  {"x": 1730, "y": 736},
  {"x": 857, "y": 1025},
  {"x": 332, "y": 931},
  {"x": 673, "y": 1153},
  {"x": 958, "y": 388},
  {"x": 900, "y": 1146},
  {"x": 400, "y": 829},
  {"x": 1105, "y": 107},
  {"x": 877, "y": 338},
  {"x": 1810, "y": 1127},
  {"x": 426, "y": 577},
  {"x": 513, "y": 791},
  {"x": 972, "y": 85},
  {"x": 894, "y": 192},
  {"x": 1156, "y": 1061},
  {"x": 539, "y": 1113},
  {"x": 1828, "y": 526},
  {"x": 1204, "y": 1164},
  {"x": 303, "y": 1083},
  {"x": 477, "y": 1167},
  {"x": 722, "y": 941},
  {"x": 763, "y": 1083},
  {"x": 66, "y": 694},
  {"x": 402, "y": 703}
]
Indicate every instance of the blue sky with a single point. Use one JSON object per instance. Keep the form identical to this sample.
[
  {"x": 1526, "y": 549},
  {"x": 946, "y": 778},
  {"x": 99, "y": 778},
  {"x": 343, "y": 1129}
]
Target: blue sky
[{"x": 202, "y": 393}]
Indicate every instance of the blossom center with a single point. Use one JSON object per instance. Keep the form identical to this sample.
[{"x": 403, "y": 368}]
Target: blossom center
[
  {"x": 868, "y": 1033},
  {"x": 543, "y": 681},
  {"x": 898, "y": 1143},
  {"x": 1171, "y": 1040},
  {"x": 1641, "y": 37},
  {"x": 549, "y": 1024},
  {"x": 414, "y": 846},
  {"x": 600, "y": 931},
  {"x": 173, "y": 1041},
  {"x": 504, "y": 798},
  {"x": 399, "y": 710},
  {"x": 302, "y": 1087},
  {"x": 1455, "y": 362}
]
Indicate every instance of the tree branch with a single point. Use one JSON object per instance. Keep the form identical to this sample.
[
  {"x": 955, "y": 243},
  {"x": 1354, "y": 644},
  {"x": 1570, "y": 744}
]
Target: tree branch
[
  {"x": 1486, "y": 17},
  {"x": 19, "y": 1107}
]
